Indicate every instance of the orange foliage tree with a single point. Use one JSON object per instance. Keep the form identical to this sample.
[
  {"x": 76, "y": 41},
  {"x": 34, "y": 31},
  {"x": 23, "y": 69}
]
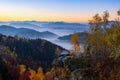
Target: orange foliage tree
[{"x": 75, "y": 41}]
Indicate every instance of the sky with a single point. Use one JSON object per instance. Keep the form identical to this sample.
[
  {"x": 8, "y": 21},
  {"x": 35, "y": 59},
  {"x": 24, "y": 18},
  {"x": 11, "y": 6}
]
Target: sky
[{"x": 56, "y": 10}]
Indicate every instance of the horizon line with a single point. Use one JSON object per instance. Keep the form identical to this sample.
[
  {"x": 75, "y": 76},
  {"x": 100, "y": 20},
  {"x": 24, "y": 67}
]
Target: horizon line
[
  {"x": 47, "y": 21},
  {"x": 43, "y": 21}
]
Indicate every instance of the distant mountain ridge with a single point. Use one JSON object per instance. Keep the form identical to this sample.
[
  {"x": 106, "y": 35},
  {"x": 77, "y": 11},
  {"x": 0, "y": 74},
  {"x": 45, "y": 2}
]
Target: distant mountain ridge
[
  {"x": 68, "y": 37},
  {"x": 64, "y": 25},
  {"x": 25, "y": 33},
  {"x": 38, "y": 24},
  {"x": 59, "y": 28},
  {"x": 23, "y": 24}
]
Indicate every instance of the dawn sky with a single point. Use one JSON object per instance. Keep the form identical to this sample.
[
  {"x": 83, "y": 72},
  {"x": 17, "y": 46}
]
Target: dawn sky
[{"x": 56, "y": 10}]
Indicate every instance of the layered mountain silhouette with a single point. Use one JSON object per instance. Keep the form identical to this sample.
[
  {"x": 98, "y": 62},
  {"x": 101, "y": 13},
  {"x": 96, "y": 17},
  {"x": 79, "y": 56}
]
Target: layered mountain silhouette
[{"x": 25, "y": 33}]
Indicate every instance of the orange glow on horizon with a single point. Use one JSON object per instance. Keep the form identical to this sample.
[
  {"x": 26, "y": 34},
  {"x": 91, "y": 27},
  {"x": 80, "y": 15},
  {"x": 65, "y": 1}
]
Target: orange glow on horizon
[
  {"x": 19, "y": 14},
  {"x": 47, "y": 18}
]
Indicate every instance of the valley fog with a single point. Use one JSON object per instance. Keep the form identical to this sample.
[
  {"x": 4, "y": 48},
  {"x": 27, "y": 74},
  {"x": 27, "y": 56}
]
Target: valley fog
[{"x": 60, "y": 29}]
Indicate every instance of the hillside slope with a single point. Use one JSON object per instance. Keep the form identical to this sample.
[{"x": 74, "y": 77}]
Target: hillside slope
[{"x": 32, "y": 53}]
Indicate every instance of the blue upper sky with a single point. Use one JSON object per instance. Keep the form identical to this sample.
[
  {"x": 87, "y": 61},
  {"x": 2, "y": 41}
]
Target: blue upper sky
[{"x": 56, "y": 10}]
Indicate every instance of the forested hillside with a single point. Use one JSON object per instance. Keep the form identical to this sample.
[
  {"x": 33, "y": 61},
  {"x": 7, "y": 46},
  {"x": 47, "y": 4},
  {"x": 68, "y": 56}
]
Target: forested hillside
[{"x": 32, "y": 53}]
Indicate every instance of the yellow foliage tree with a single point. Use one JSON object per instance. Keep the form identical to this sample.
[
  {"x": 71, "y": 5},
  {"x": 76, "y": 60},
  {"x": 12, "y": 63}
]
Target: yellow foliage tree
[
  {"x": 36, "y": 76},
  {"x": 103, "y": 40},
  {"x": 32, "y": 74},
  {"x": 49, "y": 75},
  {"x": 22, "y": 69},
  {"x": 40, "y": 74}
]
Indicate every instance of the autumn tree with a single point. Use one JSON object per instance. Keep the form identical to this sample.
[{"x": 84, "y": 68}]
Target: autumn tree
[
  {"x": 75, "y": 41},
  {"x": 105, "y": 18},
  {"x": 95, "y": 44},
  {"x": 49, "y": 75},
  {"x": 22, "y": 69},
  {"x": 102, "y": 40},
  {"x": 57, "y": 51},
  {"x": 92, "y": 42},
  {"x": 118, "y": 13},
  {"x": 32, "y": 74},
  {"x": 114, "y": 40},
  {"x": 40, "y": 74},
  {"x": 23, "y": 73}
]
